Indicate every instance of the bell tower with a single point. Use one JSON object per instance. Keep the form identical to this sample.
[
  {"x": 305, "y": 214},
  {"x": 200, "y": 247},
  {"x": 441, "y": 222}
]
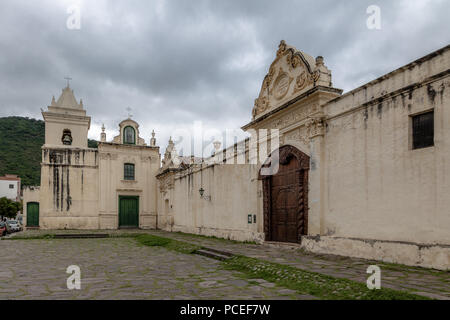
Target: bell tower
[
  {"x": 66, "y": 122},
  {"x": 69, "y": 169}
]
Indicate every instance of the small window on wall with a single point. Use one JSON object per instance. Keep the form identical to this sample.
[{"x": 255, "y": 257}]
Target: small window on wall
[
  {"x": 423, "y": 130},
  {"x": 129, "y": 171},
  {"x": 11, "y": 186},
  {"x": 129, "y": 135}
]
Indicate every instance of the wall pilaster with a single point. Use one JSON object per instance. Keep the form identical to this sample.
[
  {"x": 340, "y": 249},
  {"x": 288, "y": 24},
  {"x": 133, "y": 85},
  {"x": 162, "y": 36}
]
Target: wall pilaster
[{"x": 316, "y": 129}]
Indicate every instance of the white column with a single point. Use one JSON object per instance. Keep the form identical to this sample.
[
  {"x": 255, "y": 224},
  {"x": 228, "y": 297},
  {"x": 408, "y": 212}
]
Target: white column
[{"x": 316, "y": 175}]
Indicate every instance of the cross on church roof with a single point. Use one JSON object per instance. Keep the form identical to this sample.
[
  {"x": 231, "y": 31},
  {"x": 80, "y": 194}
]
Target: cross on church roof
[
  {"x": 68, "y": 79},
  {"x": 129, "y": 112}
]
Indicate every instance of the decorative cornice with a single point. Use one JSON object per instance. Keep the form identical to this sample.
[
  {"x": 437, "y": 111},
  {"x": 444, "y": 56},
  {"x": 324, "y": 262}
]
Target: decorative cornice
[
  {"x": 291, "y": 102},
  {"x": 129, "y": 146}
]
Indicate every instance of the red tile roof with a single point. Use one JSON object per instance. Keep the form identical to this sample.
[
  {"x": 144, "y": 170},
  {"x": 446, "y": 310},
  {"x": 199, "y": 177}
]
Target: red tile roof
[{"x": 10, "y": 177}]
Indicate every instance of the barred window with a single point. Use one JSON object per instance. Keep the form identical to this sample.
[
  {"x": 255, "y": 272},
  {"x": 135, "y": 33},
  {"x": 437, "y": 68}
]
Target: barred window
[
  {"x": 129, "y": 171},
  {"x": 423, "y": 130}
]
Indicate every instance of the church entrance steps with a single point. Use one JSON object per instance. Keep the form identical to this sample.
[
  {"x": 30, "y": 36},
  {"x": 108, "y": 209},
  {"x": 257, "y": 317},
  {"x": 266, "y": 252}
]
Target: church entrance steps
[
  {"x": 214, "y": 254},
  {"x": 285, "y": 245}
]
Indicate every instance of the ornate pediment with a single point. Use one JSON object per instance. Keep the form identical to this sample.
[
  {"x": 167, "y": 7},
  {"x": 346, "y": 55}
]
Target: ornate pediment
[{"x": 291, "y": 74}]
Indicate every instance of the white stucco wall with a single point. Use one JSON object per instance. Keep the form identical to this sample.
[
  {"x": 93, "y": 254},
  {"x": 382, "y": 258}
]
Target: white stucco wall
[
  {"x": 69, "y": 188},
  {"x": 376, "y": 186},
  {"x": 234, "y": 196},
  {"x": 6, "y": 191}
]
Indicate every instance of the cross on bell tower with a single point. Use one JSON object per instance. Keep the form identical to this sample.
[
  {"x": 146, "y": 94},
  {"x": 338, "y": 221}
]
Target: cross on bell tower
[{"x": 68, "y": 80}]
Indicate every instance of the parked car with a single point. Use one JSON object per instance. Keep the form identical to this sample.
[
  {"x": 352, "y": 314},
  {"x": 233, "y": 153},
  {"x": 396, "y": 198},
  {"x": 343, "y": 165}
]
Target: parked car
[
  {"x": 14, "y": 225},
  {"x": 8, "y": 228},
  {"x": 3, "y": 230}
]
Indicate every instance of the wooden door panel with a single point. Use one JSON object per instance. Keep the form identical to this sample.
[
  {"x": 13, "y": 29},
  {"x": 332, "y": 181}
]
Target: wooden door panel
[
  {"x": 285, "y": 206},
  {"x": 129, "y": 212},
  {"x": 33, "y": 214}
]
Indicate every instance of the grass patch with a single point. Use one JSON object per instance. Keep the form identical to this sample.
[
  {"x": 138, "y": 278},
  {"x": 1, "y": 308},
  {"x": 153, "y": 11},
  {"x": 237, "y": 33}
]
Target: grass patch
[
  {"x": 316, "y": 284},
  {"x": 408, "y": 269},
  {"x": 170, "y": 244}
]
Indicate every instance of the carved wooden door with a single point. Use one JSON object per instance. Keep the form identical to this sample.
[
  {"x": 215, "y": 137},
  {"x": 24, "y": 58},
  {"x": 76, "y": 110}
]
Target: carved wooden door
[{"x": 286, "y": 197}]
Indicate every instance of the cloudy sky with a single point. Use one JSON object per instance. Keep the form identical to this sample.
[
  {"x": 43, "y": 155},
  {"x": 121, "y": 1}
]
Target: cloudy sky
[{"x": 175, "y": 62}]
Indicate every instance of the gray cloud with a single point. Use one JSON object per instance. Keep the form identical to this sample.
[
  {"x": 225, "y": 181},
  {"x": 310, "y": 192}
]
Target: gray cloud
[{"x": 176, "y": 62}]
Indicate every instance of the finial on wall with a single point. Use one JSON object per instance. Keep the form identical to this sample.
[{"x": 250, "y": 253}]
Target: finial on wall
[
  {"x": 319, "y": 61},
  {"x": 153, "y": 139},
  {"x": 103, "y": 134}
]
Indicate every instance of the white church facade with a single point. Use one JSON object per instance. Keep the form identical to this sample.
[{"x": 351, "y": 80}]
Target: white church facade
[
  {"x": 80, "y": 185},
  {"x": 363, "y": 174}
]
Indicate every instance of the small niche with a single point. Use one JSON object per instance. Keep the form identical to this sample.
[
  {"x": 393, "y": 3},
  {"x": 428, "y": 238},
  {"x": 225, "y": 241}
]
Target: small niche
[{"x": 67, "y": 137}]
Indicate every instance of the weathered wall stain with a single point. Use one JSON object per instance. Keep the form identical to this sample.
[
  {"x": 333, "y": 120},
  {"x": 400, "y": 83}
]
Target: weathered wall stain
[{"x": 431, "y": 93}]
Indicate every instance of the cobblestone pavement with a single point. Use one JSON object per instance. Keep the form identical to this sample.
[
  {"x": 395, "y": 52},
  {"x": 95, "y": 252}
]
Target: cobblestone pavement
[
  {"x": 121, "y": 269},
  {"x": 430, "y": 283}
]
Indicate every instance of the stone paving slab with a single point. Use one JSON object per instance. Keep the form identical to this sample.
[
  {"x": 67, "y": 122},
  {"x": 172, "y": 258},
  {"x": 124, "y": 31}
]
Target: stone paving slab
[
  {"x": 118, "y": 269},
  {"x": 427, "y": 282}
]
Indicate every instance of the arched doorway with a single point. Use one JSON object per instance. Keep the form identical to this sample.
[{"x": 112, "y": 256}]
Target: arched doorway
[{"x": 286, "y": 197}]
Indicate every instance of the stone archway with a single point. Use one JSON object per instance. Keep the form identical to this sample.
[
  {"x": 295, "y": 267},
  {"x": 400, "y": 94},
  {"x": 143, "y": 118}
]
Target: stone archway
[{"x": 286, "y": 197}]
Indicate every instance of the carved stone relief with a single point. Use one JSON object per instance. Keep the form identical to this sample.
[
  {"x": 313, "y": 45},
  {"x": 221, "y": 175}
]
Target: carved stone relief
[
  {"x": 281, "y": 85},
  {"x": 292, "y": 118},
  {"x": 291, "y": 73},
  {"x": 300, "y": 134}
]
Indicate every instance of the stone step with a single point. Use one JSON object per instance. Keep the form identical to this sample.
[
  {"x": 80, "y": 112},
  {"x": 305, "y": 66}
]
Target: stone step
[
  {"x": 81, "y": 236},
  {"x": 221, "y": 252},
  {"x": 212, "y": 254}
]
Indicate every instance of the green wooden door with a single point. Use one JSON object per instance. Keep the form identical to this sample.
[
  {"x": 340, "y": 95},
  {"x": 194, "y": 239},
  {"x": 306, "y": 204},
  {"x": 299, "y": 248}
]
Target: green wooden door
[
  {"x": 32, "y": 214},
  {"x": 128, "y": 212}
]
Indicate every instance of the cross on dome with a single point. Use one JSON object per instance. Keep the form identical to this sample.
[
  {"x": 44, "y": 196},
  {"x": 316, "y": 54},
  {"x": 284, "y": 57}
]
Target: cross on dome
[{"x": 129, "y": 112}]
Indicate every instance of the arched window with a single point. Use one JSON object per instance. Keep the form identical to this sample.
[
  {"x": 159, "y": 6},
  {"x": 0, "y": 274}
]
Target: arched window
[
  {"x": 67, "y": 137},
  {"x": 129, "y": 135},
  {"x": 128, "y": 171}
]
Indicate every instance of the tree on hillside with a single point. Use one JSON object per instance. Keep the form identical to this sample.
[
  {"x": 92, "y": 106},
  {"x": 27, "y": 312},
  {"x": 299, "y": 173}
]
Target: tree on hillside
[{"x": 9, "y": 208}]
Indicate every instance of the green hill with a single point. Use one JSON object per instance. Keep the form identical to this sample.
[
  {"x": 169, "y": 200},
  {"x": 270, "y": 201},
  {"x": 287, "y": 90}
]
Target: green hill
[{"x": 21, "y": 140}]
